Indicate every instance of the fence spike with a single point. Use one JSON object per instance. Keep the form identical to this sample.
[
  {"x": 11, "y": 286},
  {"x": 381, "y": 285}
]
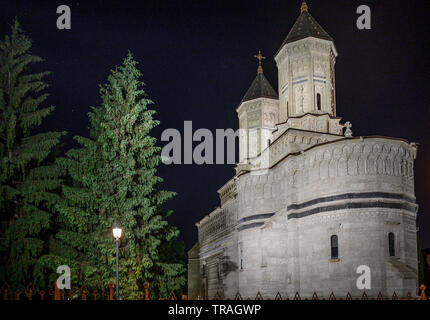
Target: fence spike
[
  {"x": 332, "y": 296},
  {"x": 364, "y": 296},
  {"x": 172, "y": 296},
  {"x": 217, "y": 296},
  {"x": 297, "y": 296},
  {"x": 348, "y": 296},
  {"x": 409, "y": 296},
  {"x": 315, "y": 296},
  {"x": 278, "y": 296},
  {"x": 238, "y": 296},
  {"x": 259, "y": 296},
  {"x": 380, "y": 297}
]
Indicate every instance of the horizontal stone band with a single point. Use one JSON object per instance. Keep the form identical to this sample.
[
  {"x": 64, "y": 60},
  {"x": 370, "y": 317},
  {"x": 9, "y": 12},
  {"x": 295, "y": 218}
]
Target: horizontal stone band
[
  {"x": 347, "y": 196},
  {"x": 355, "y": 205},
  {"x": 256, "y": 217},
  {"x": 250, "y": 226}
]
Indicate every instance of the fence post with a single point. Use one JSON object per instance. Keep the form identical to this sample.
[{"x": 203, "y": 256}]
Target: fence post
[
  {"x": 42, "y": 295},
  {"x": 95, "y": 294},
  {"x": 17, "y": 294},
  {"x": 30, "y": 292},
  {"x": 57, "y": 295},
  {"x": 84, "y": 293},
  {"x": 5, "y": 288},
  {"x": 111, "y": 286},
  {"x": 423, "y": 292},
  {"x": 146, "y": 286}
]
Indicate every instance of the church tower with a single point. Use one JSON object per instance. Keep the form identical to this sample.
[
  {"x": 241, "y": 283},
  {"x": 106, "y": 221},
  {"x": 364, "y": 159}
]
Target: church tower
[
  {"x": 258, "y": 115},
  {"x": 306, "y": 67}
]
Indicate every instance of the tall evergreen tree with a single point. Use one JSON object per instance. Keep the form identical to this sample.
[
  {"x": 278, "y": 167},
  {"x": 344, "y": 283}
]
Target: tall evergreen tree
[
  {"x": 28, "y": 176},
  {"x": 114, "y": 180}
]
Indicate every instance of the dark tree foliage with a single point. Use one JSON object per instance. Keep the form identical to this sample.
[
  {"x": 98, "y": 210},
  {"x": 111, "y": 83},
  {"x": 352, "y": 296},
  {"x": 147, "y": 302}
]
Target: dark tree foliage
[
  {"x": 29, "y": 178},
  {"x": 113, "y": 179}
]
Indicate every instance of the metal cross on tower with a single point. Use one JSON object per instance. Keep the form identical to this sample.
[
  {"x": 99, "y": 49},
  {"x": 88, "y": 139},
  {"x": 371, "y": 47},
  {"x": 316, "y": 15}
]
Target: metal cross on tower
[{"x": 260, "y": 57}]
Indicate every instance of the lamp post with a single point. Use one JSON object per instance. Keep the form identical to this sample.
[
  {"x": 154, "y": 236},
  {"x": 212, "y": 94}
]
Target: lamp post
[{"x": 117, "y": 231}]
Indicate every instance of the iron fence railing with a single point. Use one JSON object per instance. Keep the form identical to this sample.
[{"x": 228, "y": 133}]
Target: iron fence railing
[{"x": 31, "y": 293}]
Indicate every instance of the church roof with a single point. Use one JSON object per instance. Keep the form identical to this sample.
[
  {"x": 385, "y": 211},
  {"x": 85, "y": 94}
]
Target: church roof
[
  {"x": 306, "y": 26},
  {"x": 260, "y": 88}
]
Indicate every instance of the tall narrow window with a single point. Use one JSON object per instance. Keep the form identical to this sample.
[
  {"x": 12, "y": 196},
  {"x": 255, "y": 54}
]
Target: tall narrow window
[
  {"x": 334, "y": 247},
  {"x": 319, "y": 101},
  {"x": 241, "y": 257},
  {"x": 391, "y": 244},
  {"x": 219, "y": 270},
  {"x": 204, "y": 269}
]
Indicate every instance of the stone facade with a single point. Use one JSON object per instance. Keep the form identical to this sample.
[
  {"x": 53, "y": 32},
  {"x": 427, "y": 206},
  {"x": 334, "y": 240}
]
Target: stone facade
[{"x": 308, "y": 205}]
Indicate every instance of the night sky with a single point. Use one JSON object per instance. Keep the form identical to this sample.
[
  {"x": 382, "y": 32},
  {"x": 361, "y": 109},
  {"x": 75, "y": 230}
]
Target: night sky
[{"x": 197, "y": 61}]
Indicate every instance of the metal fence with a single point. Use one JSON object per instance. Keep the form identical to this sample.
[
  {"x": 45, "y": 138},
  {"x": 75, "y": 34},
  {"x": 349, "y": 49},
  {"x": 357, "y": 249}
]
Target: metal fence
[{"x": 31, "y": 293}]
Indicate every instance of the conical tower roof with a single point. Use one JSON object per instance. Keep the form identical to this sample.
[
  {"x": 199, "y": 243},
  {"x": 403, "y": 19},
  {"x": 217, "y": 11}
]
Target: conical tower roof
[
  {"x": 306, "y": 26},
  {"x": 260, "y": 87}
]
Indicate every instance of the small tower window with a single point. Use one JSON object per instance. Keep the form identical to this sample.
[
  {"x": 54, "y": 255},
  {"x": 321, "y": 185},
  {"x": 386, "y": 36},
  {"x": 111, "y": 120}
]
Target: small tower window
[
  {"x": 391, "y": 244},
  {"x": 204, "y": 269},
  {"x": 219, "y": 270},
  {"x": 319, "y": 101},
  {"x": 334, "y": 247}
]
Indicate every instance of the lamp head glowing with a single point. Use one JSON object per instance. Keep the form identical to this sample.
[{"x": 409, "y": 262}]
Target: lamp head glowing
[{"x": 117, "y": 231}]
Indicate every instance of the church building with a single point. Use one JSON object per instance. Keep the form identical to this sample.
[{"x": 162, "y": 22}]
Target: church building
[{"x": 310, "y": 203}]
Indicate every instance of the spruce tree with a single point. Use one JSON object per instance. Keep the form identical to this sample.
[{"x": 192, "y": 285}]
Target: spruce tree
[
  {"x": 29, "y": 178},
  {"x": 114, "y": 179}
]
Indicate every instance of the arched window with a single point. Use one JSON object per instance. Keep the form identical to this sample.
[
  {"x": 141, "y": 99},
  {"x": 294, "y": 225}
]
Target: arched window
[
  {"x": 319, "y": 101},
  {"x": 334, "y": 247},
  {"x": 391, "y": 244}
]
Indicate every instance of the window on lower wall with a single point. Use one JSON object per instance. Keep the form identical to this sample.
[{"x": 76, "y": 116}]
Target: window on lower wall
[
  {"x": 391, "y": 244},
  {"x": 240, "y": 256},
  {"x": 334, "y": 247}
]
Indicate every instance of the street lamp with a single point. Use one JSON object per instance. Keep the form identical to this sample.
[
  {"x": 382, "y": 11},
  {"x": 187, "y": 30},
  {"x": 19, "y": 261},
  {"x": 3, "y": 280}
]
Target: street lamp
[{"x": 117, "y": 231}]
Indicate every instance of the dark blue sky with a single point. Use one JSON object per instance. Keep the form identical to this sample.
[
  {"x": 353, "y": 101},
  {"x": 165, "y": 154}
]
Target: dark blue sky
[{"x": 197, "y": 62}]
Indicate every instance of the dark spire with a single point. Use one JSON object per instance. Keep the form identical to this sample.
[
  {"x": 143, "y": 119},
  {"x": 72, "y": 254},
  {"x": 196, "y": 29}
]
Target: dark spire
[
  {"x": 306, "y": 26},
  {"x": 260, "y": 87}
]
